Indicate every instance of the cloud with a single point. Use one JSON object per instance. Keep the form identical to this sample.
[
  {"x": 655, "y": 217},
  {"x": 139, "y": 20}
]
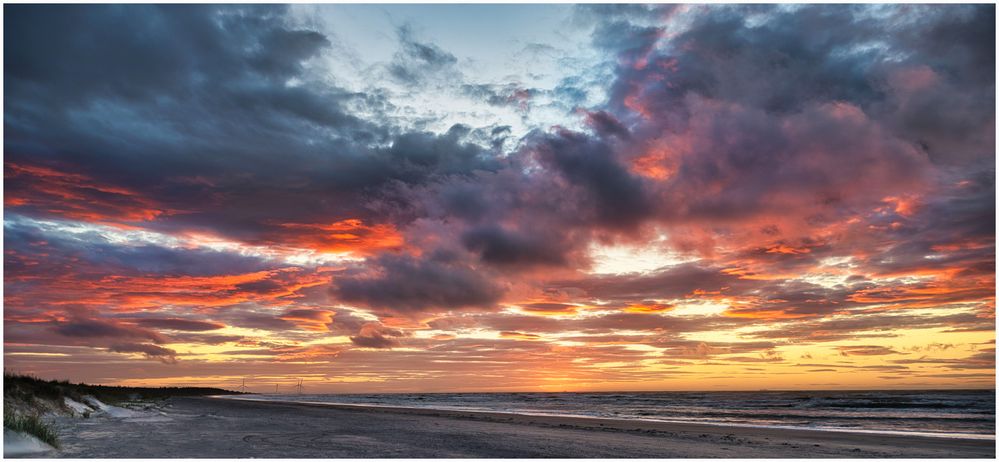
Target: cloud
[
  {"x": 519, "y": 335},
  {"x": 179, "y": 324},
  {"x": 100, "y": 329},
  {"x": 342, "y": 165},
  {"x": 418, "y": 61},
  {"x": 308, "y": 319},
  {"x": 672, "y": 282},
  {"x": 501, "y": 247},
  {"x": 606, "y": 125},
  {"x": 549, "y": 308},
  {"x": 374, "y": 335},
  {"x": 866, "y": 350},
  {"x": 802, "y": 175},
  {"x": 502, "y": 95},
  {"x": 151, "y": 351},
  {"x": 610, "y": 196},
  {"x": 74, "y": 195},
  {"x": 406, "y": 284}
]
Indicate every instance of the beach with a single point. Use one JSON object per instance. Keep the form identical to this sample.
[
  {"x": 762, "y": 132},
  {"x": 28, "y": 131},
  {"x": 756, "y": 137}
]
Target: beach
[{"x": 202, "y": 427}]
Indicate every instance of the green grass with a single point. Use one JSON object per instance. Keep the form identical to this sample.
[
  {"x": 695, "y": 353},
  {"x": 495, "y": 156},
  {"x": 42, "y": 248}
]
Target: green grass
[{"x": 31, "y": 425}]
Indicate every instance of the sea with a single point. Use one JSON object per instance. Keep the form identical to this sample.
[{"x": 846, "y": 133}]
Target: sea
[{"x": 945, "y": 414}]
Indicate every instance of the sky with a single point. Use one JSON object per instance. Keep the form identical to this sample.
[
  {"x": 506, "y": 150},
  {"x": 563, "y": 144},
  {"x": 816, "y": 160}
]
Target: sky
[{"x": 413, "y": 198}]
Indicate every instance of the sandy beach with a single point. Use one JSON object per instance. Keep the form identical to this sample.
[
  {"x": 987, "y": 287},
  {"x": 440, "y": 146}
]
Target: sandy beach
[{"x": 215, "y": 427}]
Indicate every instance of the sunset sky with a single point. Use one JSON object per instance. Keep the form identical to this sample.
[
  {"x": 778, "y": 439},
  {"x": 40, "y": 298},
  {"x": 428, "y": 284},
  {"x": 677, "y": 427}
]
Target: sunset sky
[{"x": 381, "y": 198}]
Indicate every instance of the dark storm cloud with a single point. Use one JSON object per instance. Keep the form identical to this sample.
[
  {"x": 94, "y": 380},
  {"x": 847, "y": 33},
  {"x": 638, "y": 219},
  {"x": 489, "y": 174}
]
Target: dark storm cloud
[
  {"x": 512, "y": 219},
  {"x": 229, "y": 124},
  {"x": 184, "y": 87},
  {"x": 231, "y": 59},
  {"x": 943, "y": 97},
  {"x": 612, "y": 196},
  {"x": 406, "y": 284},
  {"x": 233, "y": 64},
  {"x": 805, "y": 54},
  {"x": 606, "y": 125},
  {"x": 242, "y": 186},
  {"x": 781, "y": 71},
  {"x": 98, "y": 329},
  {"x": 501, "y": 247},
  {"x": 414, "y": 157}
]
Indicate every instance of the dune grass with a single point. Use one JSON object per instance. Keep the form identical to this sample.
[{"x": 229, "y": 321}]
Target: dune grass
[
  {"x": 32, "y": 425},
  {"x": 26, "y": 397},
  {"x": 27, "y": 388}
]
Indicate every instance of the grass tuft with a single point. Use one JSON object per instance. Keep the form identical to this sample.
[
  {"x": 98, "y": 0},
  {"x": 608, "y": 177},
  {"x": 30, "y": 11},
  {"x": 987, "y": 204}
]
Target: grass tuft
[{"x": 32, "y": 425}]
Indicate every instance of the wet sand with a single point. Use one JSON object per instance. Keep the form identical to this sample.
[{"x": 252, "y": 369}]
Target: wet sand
[{"x": 221, "y": 428}]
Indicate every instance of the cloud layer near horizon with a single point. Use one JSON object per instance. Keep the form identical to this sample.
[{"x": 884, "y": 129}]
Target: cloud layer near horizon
[{"x": 199, "y": 193}]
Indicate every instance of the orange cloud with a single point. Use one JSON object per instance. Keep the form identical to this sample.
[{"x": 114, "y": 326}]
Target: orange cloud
[
  {"x": 648, "y": 308},
  {"x": 751, "y": 313},
  {"x": 549, "y": 308},
  {"x": 926, "y": 295},
  {"x": 262, "y": 286},
  {"x": 659, "y": 161},
  {"x": 312, "y": 320},
  {"x": 904, "y": 206},
  {"x": 74, "y": 195},
  {"x": 344, "y": 236},
  {"x": 124, "y": 293},
  {"x": 519, "y": 335},
  {"x": 786, "y": 249}
]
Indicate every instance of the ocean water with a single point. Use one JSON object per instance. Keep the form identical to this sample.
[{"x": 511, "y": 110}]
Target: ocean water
[{"x": 954, "y": 414}]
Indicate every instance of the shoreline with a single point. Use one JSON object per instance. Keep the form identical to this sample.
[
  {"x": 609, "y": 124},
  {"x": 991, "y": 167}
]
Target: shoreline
[
  {"x": 206, "y": 427},
  {"x": 614, "y": 422}
]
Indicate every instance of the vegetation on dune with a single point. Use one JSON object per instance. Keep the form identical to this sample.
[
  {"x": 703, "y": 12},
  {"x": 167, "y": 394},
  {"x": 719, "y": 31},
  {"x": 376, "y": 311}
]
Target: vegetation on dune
[
  {"x": 27, "y": 388},
  {"x": 26, "y": 397},
  {"x": 32, "y": 425}
]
